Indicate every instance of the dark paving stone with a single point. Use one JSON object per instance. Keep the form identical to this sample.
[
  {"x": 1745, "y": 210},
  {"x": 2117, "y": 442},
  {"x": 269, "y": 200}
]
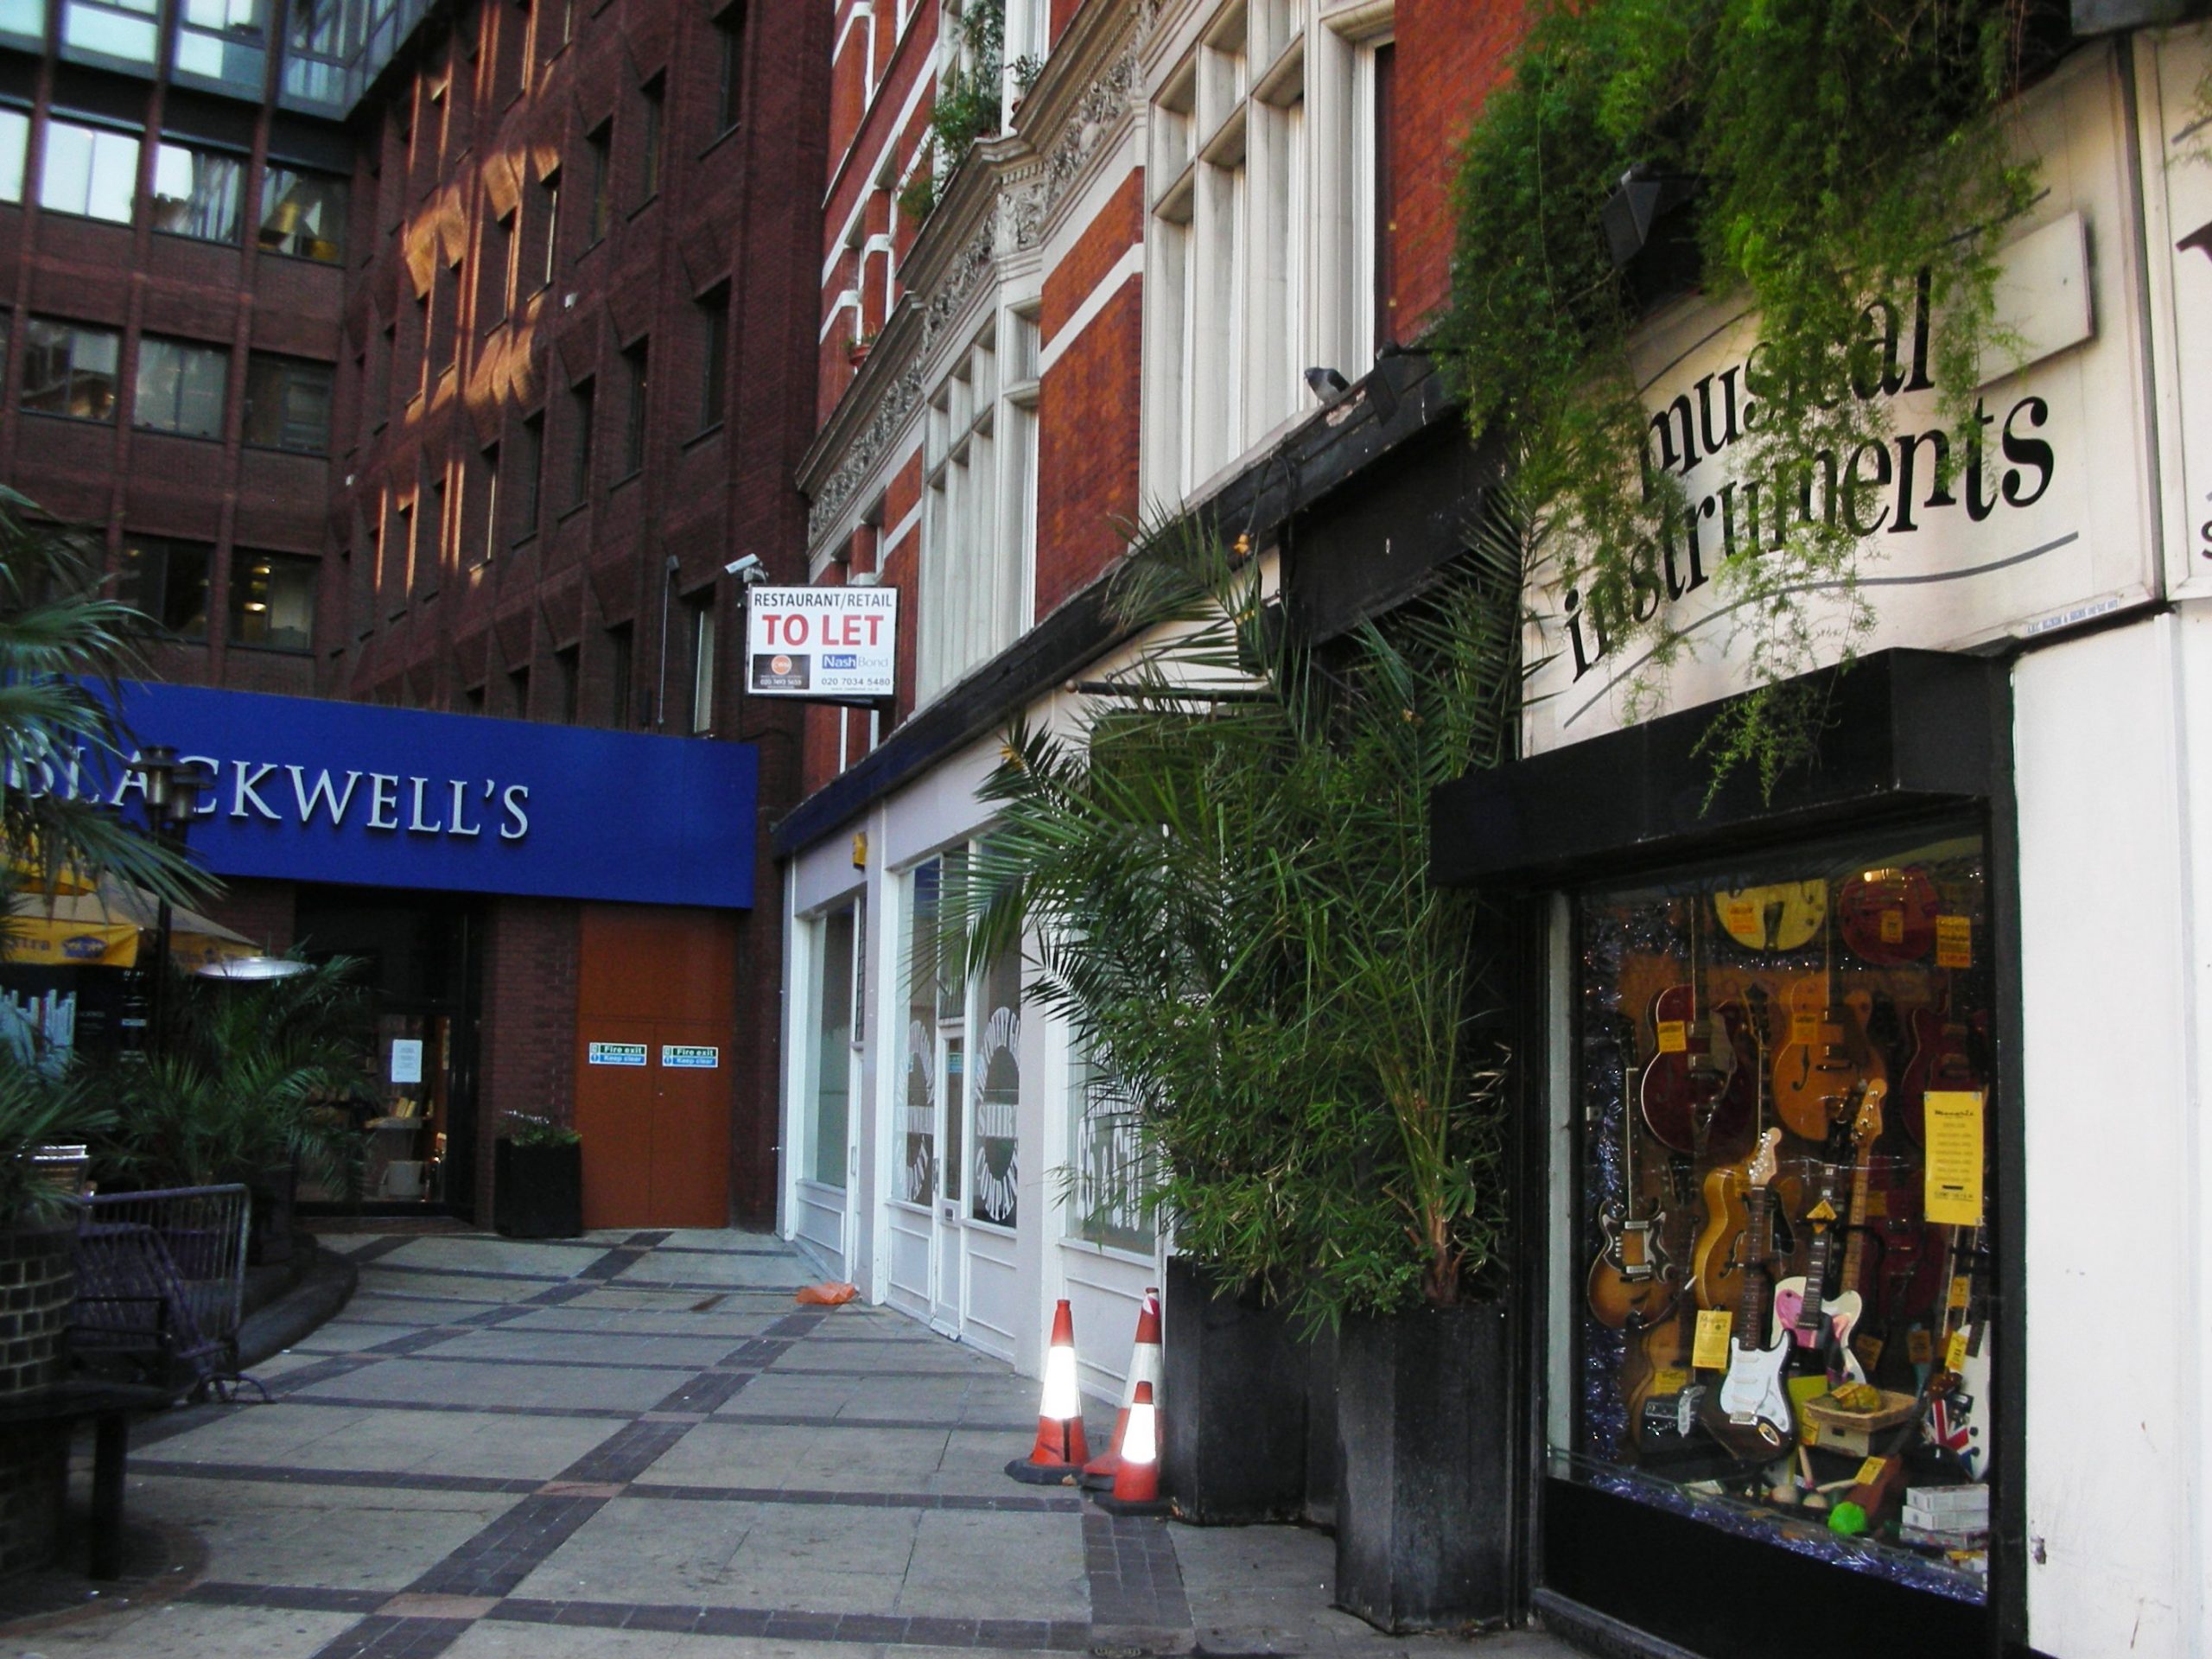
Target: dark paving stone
[
  {"x": 732, "y": 1621},
  {"x": 803, "y": 1627},
  {"x": 627, "y": 1453},
  {"x": 323, "y": 1370},
  {"x": 295, "y": 1598},
  {"x": 510, "y": 1548},
  {"x": 940, "y": 1632},
  {"x": 414, "y": 1342},
  {"x": 756, "y": 1353},
  {"x": 384, "y": 1637},
  {"x": 707, "y": 1391},
  {"x": 677, "y": 1621},
  {"x": 287, "y": 1475},
  {"x": 646, "y": 1241},
  {"x": 796, "y": 1325},
  {"x": 356, "y": 1402}
]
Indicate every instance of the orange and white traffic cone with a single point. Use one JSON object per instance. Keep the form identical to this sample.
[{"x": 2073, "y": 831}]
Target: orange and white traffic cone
[
  {"x": 1060, "y": 1452},
  {"x": 1136, "y": 1483},
  {"x": 1144, "y": 1367}
]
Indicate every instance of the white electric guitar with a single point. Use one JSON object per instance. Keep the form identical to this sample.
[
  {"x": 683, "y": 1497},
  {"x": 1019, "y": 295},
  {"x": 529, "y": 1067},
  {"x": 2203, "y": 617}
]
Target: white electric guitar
[
  {"x": 1751, "y": 1394},
  {"x": 1799, "y": 1308}
]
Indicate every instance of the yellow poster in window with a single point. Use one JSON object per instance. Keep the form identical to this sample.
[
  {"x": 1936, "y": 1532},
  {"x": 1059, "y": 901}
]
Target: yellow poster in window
[
  {"x": 1955, "y": 941},
  {"x": 1709, "y": 1352},
  {"x": 1952, "y": 1120}
]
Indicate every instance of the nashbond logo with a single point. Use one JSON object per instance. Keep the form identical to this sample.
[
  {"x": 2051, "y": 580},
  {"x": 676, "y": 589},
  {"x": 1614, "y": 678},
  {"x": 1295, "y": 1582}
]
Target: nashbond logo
[{"x": 1919, "y": 478}]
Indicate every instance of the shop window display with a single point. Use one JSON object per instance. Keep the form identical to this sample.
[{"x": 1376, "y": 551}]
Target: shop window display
[{"x": 1785, "y": 1110}]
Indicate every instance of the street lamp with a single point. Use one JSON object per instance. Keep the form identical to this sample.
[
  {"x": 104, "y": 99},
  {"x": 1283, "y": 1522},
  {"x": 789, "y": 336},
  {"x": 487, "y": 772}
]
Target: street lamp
[{"x": 172, "y": 790}]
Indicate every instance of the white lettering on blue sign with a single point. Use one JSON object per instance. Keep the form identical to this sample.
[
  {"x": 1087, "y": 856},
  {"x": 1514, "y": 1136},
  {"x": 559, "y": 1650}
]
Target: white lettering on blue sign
[
  {"x": 616, "y": 1054},
  {"x": 684, "y": 1054}
]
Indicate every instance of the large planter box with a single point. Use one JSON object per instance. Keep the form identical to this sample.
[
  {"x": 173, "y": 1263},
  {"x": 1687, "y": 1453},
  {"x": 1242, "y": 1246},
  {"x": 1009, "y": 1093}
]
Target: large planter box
[
  {"x": 538, "y": 1192},
  {"x": 269, "y": 1229},
  {"x": 1424, "y": 1508},
  {"x": 1234, "y": 1446},
  {"x": 38, "y": 1284}
]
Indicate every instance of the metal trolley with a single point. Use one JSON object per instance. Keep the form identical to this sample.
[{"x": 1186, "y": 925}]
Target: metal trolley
[{"x": 161, "y": 1286}]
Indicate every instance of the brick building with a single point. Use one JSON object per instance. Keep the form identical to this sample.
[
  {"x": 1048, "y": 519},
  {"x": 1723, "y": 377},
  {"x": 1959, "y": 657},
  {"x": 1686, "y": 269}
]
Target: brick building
[
  {"x": 440, "y": 358},
  {"x": 1105, "y": 310}
]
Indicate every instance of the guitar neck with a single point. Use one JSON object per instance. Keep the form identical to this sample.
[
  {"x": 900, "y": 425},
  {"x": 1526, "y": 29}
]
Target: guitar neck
[
  {"x": 1750, "y": 1306},
  {"x": 1853, "y": 1252}
]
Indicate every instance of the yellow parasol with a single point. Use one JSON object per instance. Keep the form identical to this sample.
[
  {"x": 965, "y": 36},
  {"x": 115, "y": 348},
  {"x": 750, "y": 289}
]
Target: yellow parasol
[{"x": 107, "y": 928}]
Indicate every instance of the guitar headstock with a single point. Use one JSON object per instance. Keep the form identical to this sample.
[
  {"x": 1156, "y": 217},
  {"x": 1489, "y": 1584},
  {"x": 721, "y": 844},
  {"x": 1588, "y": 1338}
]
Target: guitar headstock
[
  {"x": 1866, "y": 1126},
  {"x": 1762, "y": 1166}
]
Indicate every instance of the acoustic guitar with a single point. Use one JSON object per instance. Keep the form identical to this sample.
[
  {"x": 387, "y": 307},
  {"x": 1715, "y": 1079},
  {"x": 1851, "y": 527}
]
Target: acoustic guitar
[
  {"x": 1828, "y": 1055},
  {"x": 1781, "y": 916},
  {"x": 1888, "y": 917},
  {"x": 1633, "y": 1279}
]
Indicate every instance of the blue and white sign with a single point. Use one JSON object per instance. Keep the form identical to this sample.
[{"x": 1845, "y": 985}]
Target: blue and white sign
[
  {"x": 690, "y": 1055},
  {"x": 614, "y": 1053},
  {"x": 314, "y": 791}
]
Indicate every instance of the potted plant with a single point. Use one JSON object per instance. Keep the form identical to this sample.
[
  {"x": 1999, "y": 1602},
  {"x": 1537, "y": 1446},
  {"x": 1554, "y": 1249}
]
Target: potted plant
[
  {"x": 1225, "y": 891},
  {"x": 538, "y": 1178}
]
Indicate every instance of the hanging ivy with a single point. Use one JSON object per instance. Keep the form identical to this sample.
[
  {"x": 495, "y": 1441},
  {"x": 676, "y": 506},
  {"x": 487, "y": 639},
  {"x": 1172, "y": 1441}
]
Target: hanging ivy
[
  {"x": 966, "y": 107},
  {"x": 1849, "y": 180}
]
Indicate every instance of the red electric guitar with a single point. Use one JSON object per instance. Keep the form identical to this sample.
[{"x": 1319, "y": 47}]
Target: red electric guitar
[
  {"x": 1694, "y": 1067},
  {"x": 1941, "y": 1060}
]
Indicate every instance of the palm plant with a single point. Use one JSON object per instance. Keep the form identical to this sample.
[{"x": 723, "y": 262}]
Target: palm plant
[
  {"x": 40, "y": 1106},
  {"x": 1222, "y": 882},
  {"x": 63, "y": 645},
  {"x": 247, "y": 1082}
]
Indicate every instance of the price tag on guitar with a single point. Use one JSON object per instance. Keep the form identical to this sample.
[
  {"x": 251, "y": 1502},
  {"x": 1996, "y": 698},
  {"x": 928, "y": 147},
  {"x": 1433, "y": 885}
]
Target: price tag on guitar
[
  {"x": 1955, "y": 941},
  {"x": 1709, "y": 1351},
  {"x": 1674, "y": 1037},
  {"x": 1954, "y": 1353}
]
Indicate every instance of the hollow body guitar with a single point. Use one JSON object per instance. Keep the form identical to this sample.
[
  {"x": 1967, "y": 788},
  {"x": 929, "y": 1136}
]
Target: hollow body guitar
[
  {"x": 1699, "y": 1065},
  {"x": 1752, "y": 1417},
  {"x": 1827, "y": 1057}
]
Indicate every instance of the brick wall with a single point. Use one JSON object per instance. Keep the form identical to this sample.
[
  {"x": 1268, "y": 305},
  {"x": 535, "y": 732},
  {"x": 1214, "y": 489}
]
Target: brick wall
[
  {"x": 1087, "y": 450},
  {"x": 37, "y": 1284},
  {"x": 262, "y": 910},
  {"x": 526, "y": 1052},
  {"x": 1449, "y": 56}
]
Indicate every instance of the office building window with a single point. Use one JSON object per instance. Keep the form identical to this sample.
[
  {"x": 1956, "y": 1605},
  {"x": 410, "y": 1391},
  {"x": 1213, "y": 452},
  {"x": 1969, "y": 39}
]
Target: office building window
[
  {"x": 167, "y": 581},
  {"x": 548, "y": 190},
  {"x": 70, "y": 370},
  {"x": 634, "y": 366},
  {"x": 198, "y": 193},
  {"x": 581, "y": 397},
  {"x": 287, "y": 403},
  {"x": 272, "y": 600},
  {"x": 89, "y": 170},
  {"x": 518, "y": 692},
  {"x": 222, "y": 42},
  {"x": 489, "y": 548},
  {"x": 832, "y": 1056},
  {"x": 714, "y": 356},
  {"x": 565, "y": 673},
  {"x": 620, "y": 663},
  {"x": 703, "y": 663},
  {"x": 15, "y": 145},
  {"x": 180, "y": 388},
  {"x": 530, "y": 465},
  {"x": 303, "y": 214},
  {"x": 656, "y": 97},
  {"x": 600, "y": 145},
  {"x": 974, "y": 580},
  {"x": 729, "y": 37}
]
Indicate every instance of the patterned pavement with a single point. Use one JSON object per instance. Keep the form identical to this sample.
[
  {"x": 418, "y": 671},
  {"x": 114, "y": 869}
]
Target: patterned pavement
[{"x": 634, "y": 1445}]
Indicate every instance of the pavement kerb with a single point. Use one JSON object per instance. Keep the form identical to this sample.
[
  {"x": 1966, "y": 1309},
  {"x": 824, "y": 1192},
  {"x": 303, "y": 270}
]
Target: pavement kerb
[{"x": 325, "y": 1287}]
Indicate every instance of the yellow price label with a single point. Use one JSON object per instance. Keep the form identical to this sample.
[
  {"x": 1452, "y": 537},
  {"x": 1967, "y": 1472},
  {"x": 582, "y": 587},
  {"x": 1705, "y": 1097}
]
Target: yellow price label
[
  {"x": 1674, "y": 1037},
  {"x": 1709, "y": 1351},
  {"x": 1670, "y": 1379},
  {"x": 1742, "y": 919},
  {"x": 1871, "y": 1471},
  {"x": 1954, "y": 1352},
  {"x": 1955, "y": 941},
  {"x": 1869, "y": 1350},
  {"x": 1961, "y": 1289},
  {"x": 1893, "y": 927},
  {"x": 1805, "y": 1028},
  {"x": 1808, "y": 1431},
  {"x": 1919, "y": 1346},
  {"x": 1878, "y": 1204}
]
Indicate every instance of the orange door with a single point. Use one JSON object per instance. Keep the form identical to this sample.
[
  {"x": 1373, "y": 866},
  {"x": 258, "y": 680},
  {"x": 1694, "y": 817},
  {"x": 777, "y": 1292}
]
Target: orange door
[
  {"x": 615, "y": 1083},
  {"x": 690, "y": 1140}
]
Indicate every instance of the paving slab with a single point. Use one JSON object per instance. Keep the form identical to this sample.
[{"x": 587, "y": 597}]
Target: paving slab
[{"x": 627, "y": 1448}]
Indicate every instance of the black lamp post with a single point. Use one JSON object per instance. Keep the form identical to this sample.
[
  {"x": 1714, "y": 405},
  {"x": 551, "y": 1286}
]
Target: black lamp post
[{"x": 172, "y": 793}]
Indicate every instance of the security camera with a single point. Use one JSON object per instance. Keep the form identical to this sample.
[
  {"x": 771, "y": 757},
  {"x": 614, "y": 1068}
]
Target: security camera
[{"x": 748, "y": 570}]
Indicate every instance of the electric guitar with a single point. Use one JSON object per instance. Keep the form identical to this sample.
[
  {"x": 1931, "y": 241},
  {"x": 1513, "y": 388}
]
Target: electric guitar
[
  {"x": 1633, "y": 1279},
  {"x": 1781, "y": 916},
  {"x": 1959, "y": 1400},
  {"x": 1889, "y": 916},
  {"x": 1941, "y": 1060},
  {"x": 1828, "y": 1055},
  {"x": 1694, "y": 1065},
  {"x": 1815, "y": 1319},
  {"x": 1753, "y": 1416}
]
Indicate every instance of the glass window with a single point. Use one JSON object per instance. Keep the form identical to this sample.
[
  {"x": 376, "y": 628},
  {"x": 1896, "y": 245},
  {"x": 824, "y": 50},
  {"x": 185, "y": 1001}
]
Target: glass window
[
  {"x": 70, "y": 370},
  {"x": 994, "y": 1194},
  {"x": 179, "y": 387},
  {"x": 656, "y": 94},
  {"x": 729, "y": 33},
  {"x": 14, "y": 141},
  {"x": 303, "y": 214},
  {"x": 1112, "y": 1174},
  {"x": 583, "y": 396},
  {"x": 89, "y": 170},
  {"x": 221, "y": 40},
  {"x": 167, "y": 580},
  {"x": 529, "y": 461},
  {"x": 715, "y": 358},
  {"x": 272, "y": 600},
  {"x": 1784, "y": 1092},
  {"x": 287, "y": 403},
  {"x": 198, "y": 193},
  {"x": 917, "y": 1179},
  {"x": 600, "y": 143},
  {"x": 564, "y": 676},
  {"x": 833, "y": 1049},
  {"x": 490, "y": 549},
  {"x": 635, "y": 363},
  {"x": 549, "y": 187},
  {"x": 702, "y": 664},
  {"x": 620, "y": 665},
  {"x": 123, "y": 31}
]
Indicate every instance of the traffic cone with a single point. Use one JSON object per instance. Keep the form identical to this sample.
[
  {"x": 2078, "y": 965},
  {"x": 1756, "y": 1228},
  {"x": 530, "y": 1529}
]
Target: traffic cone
[
  {"x": 1060, "y": 1452},
  {"x": 1136, "y": 1483},
  {"x": 1144, "y": 1367}
]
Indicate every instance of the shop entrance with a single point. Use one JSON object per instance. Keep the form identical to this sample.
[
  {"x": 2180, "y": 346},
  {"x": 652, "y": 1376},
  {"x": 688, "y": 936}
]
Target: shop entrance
[
  {"x": 653, "y": 1062},
  {"x": 420, "y": 963}
]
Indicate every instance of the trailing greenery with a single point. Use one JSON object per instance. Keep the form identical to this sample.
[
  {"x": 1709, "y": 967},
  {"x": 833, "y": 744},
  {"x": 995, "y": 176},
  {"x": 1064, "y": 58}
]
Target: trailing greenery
[
  {"x": 533, "y": 1129},
  {"x": 250, "y": 1078},
  {"x": 966, "y": 107},
  {"x": 63, "y": 644},
  {"x": 1851, "y": 176},
  {"x": 1228, "y": 896}
]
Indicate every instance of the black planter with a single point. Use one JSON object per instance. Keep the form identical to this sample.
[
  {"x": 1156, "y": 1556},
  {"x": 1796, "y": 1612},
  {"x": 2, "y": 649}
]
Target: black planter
[
  {"x": 1424, "y": 1522},
  {"x": 270, "y": 1223},
  {"x": 538, "y": 1192},
  {"x": 1234, "y": 1443}
]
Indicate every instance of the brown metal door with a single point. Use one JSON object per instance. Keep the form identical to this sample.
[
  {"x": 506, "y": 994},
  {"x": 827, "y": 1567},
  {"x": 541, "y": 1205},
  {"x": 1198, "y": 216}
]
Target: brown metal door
[
  {"x": 615, "y": 1115},
  {"x": 691, "y": 1150}
]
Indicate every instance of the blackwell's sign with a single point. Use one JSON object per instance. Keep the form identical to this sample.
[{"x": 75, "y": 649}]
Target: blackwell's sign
[
  {"x": 311, "y": 790},
  {"x": 2039, "y": 524}
]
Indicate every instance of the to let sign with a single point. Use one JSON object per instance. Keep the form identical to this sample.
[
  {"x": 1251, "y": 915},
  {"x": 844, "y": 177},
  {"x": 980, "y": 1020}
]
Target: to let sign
[{"x": 826, "y": 644}]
